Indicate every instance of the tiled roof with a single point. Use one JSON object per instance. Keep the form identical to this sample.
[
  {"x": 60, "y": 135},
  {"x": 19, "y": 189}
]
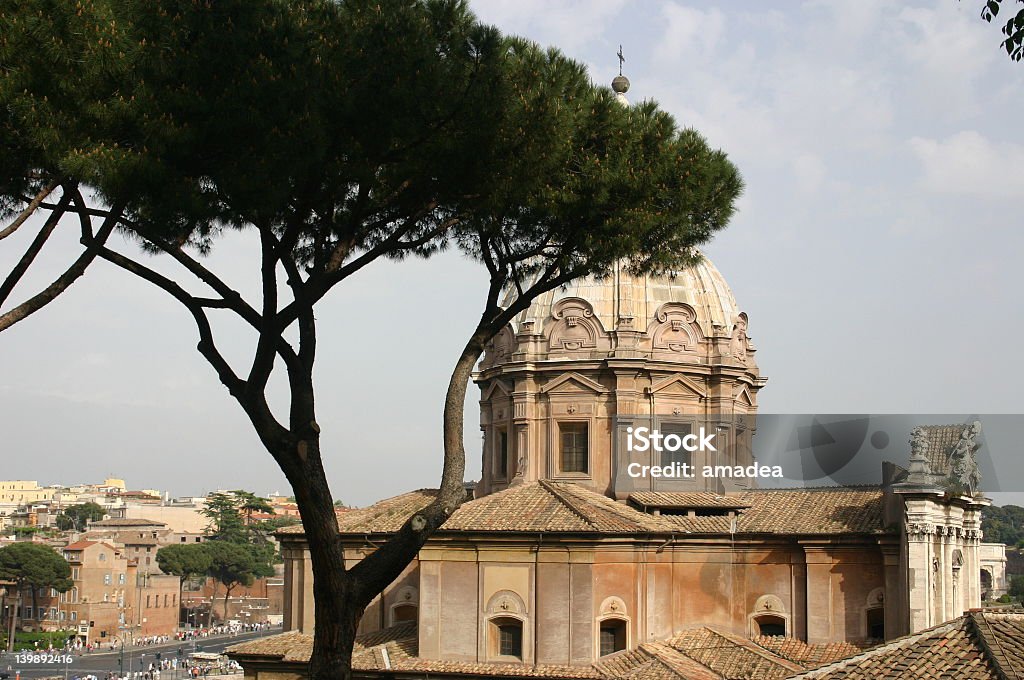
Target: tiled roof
[
  {"x": 562, "y": 507},
  {"x": 977, "y": 646},
  {"x": 1001, "y": 634},
  {"x": 731, "y": 656},
  {"x": 551, "y": 506},
  {"x": 836, "y": 510},
  {"x": 685, "y": 500},
  {"x": 653, "y": 661},
  {"x": 401, "y": 644},
  {"x": 79, "y": 545},
  {"x": 124, "y": 538},
  {"x": 126, "y": 522},
  {"x": 700, "y": 654},
  {"x": 806, "y": 655}
]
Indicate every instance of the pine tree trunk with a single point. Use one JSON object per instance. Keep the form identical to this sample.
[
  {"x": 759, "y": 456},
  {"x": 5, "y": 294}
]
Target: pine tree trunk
[{"x": 336, "y": 615}]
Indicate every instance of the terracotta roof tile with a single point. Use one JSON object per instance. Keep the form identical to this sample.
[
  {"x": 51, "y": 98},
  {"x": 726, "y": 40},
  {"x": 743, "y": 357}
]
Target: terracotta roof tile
[
  {"x": 807, "y": 655},
  {"x": 684, "y": 500},
  {"x": 1001, "y": 635},
  {"x": 838, "y": 510},
  {"x": 977, "y": 646},
  {"x": 699, "y": 654},
  {"x": 731, "y": 656},
  {"x": 126, "y": 522},
  {"x": 570, "y": 508}
]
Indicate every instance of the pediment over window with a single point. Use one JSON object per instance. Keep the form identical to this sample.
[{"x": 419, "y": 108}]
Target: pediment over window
[
  {"x": 679, "y": 384},
  {"x": 573, "y": 382},
  {"x": 496, "y": 388}
]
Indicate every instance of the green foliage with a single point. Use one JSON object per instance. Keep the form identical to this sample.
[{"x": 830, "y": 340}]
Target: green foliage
[
  {"x": 225, "y": 515},
  {"x": 77, "y": 517},
  {"x": 231, "y": 520},
  {"x": 1016, "y": 590},
  {"x": 1003, "y": 524},
  {"x": 184, "y": 561},
  {"x": 35, "y": 565},
  {"x": 233, "y": 564},
  {"x": 29, "y": 531},
  {"x": 27, "y": 641},
  {"x": 1013, "y": 28}
]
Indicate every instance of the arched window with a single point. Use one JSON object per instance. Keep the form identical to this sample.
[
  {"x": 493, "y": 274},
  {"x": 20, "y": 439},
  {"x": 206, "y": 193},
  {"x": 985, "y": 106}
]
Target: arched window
[
  {"x": 403, "y": 612},
  {"x": 770, "y": 626},
  {"x": 876, "y": 624},
  {"x": 612, "y": 636},
  {"x": 507, "y": 638}
]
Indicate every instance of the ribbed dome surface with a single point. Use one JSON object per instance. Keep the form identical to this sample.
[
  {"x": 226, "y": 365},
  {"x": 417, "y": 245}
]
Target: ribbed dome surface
[{"x": 623, "y": 295}]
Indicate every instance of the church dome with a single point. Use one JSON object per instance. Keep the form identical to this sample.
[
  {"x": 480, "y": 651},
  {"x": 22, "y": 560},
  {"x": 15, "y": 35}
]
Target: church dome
[
  {"x": 690, "y": 317},
  {"x": 622, "y": 297}
]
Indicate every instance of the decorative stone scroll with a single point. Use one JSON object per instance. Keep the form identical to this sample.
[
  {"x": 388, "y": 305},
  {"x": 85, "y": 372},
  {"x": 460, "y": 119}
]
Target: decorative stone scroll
[
  {"x": 676, "y": 329},
  {"x": 576, "y": 327}
]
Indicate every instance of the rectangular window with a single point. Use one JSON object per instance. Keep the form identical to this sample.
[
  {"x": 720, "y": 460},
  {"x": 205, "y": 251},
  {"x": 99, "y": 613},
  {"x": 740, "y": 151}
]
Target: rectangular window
[
  {"x": 672, "y": 438},
  {"x": 120, "y": 579},
  {"x": 74, "y": 574},
  {"x": 107, "y": 580},
  {"x": 574, "y": 447},
  {"x": 510, "y": 640},
  {"x": 53, "y": 613},
  {"x": 27, "y": 613},
  {"x": 74, "y": 616},
  {"x": 501, "y": 454},
  {"x": 147, "y": 602}
]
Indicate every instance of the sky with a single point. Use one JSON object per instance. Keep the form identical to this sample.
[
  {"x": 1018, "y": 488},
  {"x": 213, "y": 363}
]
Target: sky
[{"x": 877, "y": 251}]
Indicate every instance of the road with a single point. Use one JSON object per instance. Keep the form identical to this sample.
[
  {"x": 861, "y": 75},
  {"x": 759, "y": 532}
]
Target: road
[{"x": 100, "y": 663}]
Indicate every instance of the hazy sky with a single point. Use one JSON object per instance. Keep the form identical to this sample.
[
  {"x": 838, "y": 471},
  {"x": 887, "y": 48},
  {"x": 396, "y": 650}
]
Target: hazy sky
[{"x": 878, "y": 251}]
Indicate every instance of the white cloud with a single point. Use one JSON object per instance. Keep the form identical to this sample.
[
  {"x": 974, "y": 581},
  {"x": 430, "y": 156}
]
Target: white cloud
[
  {"x": 689, "y": 30},
  {"x": 568, "y": 24},
  {"x": 967, "y": 163},
  {"x": 947, "y": 51}
]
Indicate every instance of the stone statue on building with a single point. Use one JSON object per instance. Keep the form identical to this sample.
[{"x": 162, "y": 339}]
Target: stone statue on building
[{"x": 964, "y": 473}]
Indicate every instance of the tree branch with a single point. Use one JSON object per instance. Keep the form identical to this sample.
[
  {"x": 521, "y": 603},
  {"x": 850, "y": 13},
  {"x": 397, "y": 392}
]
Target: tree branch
[
  {"x": 27, "y": 212},
  {"x": 70, "y": 275},
  {"x": 37, "y": 244}
]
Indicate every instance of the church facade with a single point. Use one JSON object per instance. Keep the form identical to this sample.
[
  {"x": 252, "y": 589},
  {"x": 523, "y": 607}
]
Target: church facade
[{"x": 564, "y": 559}]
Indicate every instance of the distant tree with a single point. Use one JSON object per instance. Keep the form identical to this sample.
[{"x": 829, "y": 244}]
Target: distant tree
[
  {"x": 249, "y": 503},
  {"x": 34, "y": 566},
  {"x": 184, "y": 561},
  {"x": 1017, "y": 587},
  {"x": 233, "y": 564},
  {"x": 225, "y": 515},
  {"x": 1013, "y": 27},
  {"x": 1003, "y": 524},
  {"x": 77, "y": 517}
]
